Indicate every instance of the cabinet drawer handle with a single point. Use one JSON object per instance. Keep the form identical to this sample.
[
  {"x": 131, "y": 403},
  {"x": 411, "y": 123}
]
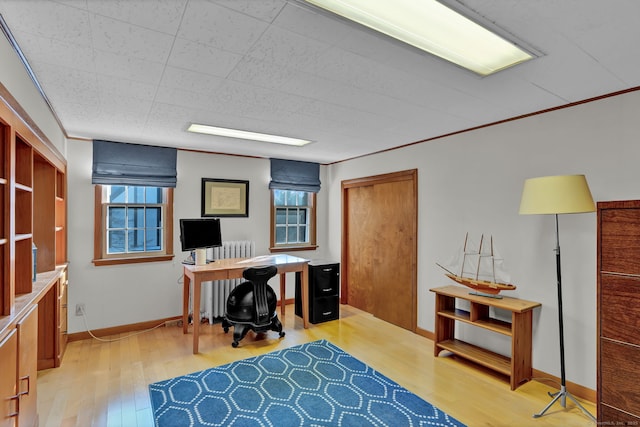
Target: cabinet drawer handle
[
  {"x": 327, "y": 290},
  {"x": 326, "y": 269},
  {"x": 326, "y": 313},
  {"x": 28, "y": 379}
]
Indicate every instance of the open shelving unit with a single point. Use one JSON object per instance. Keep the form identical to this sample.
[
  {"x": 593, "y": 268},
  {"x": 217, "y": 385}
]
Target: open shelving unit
[
  {"x": 518, "y": 366},
  {"x": 33, "y": 258}
]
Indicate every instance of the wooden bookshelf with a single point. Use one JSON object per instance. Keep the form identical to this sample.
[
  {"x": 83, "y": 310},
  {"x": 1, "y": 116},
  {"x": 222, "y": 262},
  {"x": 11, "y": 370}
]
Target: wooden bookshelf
[
  {"x": 33, "y": 292},
  {"x": 518, "y": 366}
]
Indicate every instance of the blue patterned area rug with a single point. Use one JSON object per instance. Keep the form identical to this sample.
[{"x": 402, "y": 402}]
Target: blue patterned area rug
[{"x": 314, "y": 384}]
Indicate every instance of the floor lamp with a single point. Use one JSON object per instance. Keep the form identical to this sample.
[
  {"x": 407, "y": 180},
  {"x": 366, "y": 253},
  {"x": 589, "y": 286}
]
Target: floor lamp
[{"x": 558, "y": 195}]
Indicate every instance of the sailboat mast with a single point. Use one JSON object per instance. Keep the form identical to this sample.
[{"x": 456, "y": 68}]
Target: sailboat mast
[
  {"x": 479, "y": 257},
  {"x": 493, "y": 261},
  {"x": 464, "y": 254}
]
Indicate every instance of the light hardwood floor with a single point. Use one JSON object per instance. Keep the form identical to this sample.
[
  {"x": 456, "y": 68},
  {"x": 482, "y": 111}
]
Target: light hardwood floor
[{"x": 105, "y": 384}]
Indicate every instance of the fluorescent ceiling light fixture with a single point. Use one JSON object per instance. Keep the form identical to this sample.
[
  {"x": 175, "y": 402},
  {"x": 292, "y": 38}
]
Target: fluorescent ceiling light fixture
[
  {"x": 243, "y": 134},
  {"x": 433, "y": 27}
]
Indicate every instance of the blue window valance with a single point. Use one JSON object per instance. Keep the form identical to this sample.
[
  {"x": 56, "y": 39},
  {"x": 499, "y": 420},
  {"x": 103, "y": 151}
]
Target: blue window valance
[
  {"x": 295, "y": 175},
  {"x": 119, "y": 163}
]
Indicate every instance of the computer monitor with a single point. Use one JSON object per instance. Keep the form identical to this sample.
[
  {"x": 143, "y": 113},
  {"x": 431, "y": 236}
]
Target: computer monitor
[{"x": 200, "y": 233}]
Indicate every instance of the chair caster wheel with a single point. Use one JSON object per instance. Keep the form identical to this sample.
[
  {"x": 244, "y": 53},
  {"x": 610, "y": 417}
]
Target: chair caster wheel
[
  {"x": 226, "y": 330},
  {"x": 234, "y": 344},
  {"x": 281, "y": 334}
]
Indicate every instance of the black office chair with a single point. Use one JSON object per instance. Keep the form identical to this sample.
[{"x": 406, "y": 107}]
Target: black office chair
[{"x": 252, "y": 305}]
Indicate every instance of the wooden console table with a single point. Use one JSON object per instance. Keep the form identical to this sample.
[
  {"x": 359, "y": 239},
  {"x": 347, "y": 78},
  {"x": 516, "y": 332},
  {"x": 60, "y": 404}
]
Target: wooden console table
[
  {"x": 518, "y": 367},
  {"x": 232, "y": 268}
]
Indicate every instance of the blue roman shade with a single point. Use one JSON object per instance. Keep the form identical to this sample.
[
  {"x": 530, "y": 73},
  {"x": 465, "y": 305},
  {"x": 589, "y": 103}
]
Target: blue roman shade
[
  {"x": 295, "y": 175},
  {"x": 119, "y": 163}
]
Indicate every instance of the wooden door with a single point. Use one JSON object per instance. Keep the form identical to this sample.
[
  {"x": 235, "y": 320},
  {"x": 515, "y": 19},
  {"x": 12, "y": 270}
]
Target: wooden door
[
  {"x": 379, "y": 246},
  {"x": 361, "y": 250}
]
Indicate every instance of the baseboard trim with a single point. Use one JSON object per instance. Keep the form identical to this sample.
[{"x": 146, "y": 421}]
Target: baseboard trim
[
  {"x": 133, "y": 327},
  {"x": 577, "y": 390},
  {"x": 424, "y": 333},
  {"x": 288, "y": 301}
]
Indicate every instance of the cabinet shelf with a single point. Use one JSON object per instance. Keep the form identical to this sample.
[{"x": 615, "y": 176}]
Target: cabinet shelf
[
  {"x": 22, "y": 187},
  {"x": 24, "y": 236},
  {"x": 479, "y": 355},
  {"x": 518, "y": 367},
  {"x": 489, "y": 323}
]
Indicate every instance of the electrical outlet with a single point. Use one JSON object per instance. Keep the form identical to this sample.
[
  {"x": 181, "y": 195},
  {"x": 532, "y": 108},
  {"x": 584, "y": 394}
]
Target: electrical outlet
[{"x": 79, "y": 309}]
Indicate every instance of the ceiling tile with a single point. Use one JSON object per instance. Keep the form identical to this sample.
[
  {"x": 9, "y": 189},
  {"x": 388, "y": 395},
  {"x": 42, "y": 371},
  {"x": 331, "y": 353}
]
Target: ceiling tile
[
  {"x": 202, "y": 58},
  {"x": 128, "y": 67},
  {"x": 123, "y": 39},
  {"x": 264, "y": 10},
  {"x": 225, "y": 29},
  {"x": 159, "y": 15}
]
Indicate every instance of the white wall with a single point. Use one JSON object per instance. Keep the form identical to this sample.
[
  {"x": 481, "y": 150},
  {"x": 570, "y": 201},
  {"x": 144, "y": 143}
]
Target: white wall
[
  {"x": 132, "y": 293},
  {"x": 473, "y": 182}
]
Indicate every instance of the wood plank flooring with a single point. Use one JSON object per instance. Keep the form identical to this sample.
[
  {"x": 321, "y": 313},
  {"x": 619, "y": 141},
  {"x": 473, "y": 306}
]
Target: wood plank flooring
[{"x": 105, "y": 383}]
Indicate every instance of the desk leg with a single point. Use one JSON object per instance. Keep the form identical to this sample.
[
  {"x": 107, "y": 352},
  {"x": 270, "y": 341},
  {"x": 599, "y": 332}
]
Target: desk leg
[
  {"x": 304, "y": 283},
  {"x": 185, "y": 304},
  {"x": 283, "y": 288},
  {"x": 197, "y": 287}
]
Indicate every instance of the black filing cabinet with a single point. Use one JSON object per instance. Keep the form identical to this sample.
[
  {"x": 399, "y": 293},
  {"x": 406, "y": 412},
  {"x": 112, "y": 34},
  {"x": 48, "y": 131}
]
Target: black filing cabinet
[{"x": 324, "y": 291}]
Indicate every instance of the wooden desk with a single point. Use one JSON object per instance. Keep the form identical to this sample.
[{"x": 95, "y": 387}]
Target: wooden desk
[
  {"x": 232, "y": 268},
  {"x": 518, "y": 367}
]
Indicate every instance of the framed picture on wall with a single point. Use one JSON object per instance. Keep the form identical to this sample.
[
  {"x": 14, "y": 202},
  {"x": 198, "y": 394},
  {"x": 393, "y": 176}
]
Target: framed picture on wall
[{"x": 225, "y": 198}]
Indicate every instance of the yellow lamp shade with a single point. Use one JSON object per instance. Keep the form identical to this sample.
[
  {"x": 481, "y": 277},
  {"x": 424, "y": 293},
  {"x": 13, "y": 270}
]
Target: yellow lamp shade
[{"x": 556, "y": 195}]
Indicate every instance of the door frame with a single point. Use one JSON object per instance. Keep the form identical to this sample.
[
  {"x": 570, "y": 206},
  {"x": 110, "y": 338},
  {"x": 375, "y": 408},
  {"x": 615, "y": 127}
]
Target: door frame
[{"x": 406, "y": 175}]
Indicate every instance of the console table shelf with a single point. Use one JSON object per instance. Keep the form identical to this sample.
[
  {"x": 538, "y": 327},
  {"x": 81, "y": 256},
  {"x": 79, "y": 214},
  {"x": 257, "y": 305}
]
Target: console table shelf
[{"x": 518, "y": 367}]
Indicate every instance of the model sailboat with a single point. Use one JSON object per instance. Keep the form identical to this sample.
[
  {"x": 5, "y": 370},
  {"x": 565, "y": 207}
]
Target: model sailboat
[{"x": 480, "y": 268}]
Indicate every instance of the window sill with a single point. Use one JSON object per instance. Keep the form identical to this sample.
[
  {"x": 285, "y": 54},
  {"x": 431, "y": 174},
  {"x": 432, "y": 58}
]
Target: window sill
[
  {"x": 131, "y": 260},
  {"x": 293, "y": 248}
]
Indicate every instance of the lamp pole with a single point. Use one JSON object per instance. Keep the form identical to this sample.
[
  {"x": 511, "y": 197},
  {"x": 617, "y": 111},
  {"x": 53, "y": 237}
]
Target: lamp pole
[{"x": 563, "y": 393}]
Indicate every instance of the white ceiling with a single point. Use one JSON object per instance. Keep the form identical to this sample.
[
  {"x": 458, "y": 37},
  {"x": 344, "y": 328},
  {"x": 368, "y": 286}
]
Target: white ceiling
[{"x": 141, "y": 71}]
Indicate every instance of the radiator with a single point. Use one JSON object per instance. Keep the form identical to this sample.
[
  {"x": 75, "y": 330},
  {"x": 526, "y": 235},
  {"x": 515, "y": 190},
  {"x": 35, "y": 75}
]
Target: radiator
[{"x": 214, "y": 294}]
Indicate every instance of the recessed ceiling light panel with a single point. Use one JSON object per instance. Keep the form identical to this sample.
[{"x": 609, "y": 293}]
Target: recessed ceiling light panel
[
  {"x": 435, "y": 28},
  {"x": 243, "y": 134}
]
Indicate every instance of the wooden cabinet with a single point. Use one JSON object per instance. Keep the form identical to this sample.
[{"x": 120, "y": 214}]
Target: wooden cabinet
[
  {"x": 52, "y": 339},
  {"x": 618, "y": 313},
  {"x": 33, "y": 255},
  {"x": 518, "y": 367},
  {"x": 18, "y": 365},
  {"x": 8, "y": 379},
  {"x": 28, "y": 368}
]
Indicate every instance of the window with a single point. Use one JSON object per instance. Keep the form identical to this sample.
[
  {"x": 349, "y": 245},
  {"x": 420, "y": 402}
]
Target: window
[
  {"x": 133, "y": 224},
  {"x": 293, "y": 220}
]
